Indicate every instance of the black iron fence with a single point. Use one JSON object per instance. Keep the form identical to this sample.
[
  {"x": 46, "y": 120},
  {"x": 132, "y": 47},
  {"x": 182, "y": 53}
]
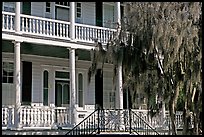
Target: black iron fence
[{"x": 113, "y": 120}]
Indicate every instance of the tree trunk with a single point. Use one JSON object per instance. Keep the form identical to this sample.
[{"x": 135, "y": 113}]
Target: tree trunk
[
  {"x": 172, "y": 108},
  {"x": 172, "y": 116}
]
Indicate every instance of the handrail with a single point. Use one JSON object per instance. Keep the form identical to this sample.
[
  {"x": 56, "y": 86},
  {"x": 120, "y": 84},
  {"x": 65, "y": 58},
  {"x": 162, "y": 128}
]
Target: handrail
[
  {"x": 139, "y": 122},
  {"x": 95, "y": 122},
  {"x": 76, "y": 130}
]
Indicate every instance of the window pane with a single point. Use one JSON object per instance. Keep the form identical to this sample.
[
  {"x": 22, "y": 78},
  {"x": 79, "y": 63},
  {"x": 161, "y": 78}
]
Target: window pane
[
  {"x": 59, "y": 74},
  {"x": 45, "y": 73},
  {"x": 8, "y": 72},
  {"x": 45, "y": 97},
  {"x": 65, "y": 94},
  {"x": 80, "y": 98},
  {"x": 80, "y": 82},
  {"x": 80, "y": 90},
  {"x": 59, "y": 95}
]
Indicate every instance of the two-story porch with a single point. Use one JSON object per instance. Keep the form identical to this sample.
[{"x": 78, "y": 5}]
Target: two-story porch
[{"x": 45, "y": 61}]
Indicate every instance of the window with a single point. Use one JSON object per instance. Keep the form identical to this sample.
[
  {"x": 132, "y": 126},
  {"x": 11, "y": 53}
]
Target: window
[
  {"x": 112, "y": 99},
  {"x": 63, "y": 75},
  {"x": 78, "y": 12},
  {"x": 80, "y": 90},
  {"x": 62, "y": 10},
  {"x": 48, "y": 7},
  {"x": 9, "y": 6},
  {"x": 45, "y": 88},
  {"x": 66, "y": 4},
  {"x": 7, "y": 72}
]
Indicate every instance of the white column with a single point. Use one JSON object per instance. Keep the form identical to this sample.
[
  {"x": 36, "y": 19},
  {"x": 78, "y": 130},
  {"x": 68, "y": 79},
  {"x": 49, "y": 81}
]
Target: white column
[
  {"x": 72, "y": 20},
  {"x": 17, "y": 82},
  {"x": 119, "y": 95},
  {"x": 117, "y": 16},
  {"x": 17, "y": 17},
  {"x": 73, "y": 114},
  {"x": 120, "y": 86},
  {"x": 17, "y": 70}
]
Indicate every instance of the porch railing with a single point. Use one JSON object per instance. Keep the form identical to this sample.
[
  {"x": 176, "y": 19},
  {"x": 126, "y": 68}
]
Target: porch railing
[
  {"x": 49, "y": 117},
  {"x": 32, "y": 117},
  {"x": 52, "y": 28}
]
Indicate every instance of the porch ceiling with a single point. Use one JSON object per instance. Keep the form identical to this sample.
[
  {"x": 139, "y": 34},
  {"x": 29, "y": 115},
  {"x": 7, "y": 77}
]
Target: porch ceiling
[{"x": 44, "y": 50}]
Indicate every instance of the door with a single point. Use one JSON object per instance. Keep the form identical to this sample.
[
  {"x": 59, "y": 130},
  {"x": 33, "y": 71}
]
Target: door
[
  {"x": 26, "y": 83},
  {"x": 99, "y": 14},
  {"x": 99, "y": 89},
  {"x": 27, "y": 8},
  {"x": 62, "y": 93}
]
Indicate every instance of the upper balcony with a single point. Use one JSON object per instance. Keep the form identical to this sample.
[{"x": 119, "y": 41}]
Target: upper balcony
[{"x": 55, "y": 29}]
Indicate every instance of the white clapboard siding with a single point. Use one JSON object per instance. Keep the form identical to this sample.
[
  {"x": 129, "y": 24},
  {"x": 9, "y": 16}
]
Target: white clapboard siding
[
  {"x": 36, "y": 83},
  {"x": 88, "y": 13},
  {"x": 8, "y": 94}
]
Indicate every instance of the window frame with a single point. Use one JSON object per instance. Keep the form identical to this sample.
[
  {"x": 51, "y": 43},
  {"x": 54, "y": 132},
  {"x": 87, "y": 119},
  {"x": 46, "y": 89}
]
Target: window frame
[
  {"x": 47, "y": 88},
  {"x": 9, "y": 5},
  {"x": 80, "y": 90},
  {"x": 8, "y": 76}
]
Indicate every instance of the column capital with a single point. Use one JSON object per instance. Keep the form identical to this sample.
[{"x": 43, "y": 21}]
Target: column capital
[
  {"x": 17, "y": 41},
  {"x": 71, "y": 48}
]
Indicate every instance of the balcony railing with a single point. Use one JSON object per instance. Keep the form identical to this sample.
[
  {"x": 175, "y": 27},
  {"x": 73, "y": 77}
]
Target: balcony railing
[
  {"x": 53, "y": 28},
  {"x": 58, "y": 117}
]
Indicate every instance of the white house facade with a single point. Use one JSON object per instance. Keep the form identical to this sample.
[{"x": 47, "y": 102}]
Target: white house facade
[{"x": 45, "y": 60}]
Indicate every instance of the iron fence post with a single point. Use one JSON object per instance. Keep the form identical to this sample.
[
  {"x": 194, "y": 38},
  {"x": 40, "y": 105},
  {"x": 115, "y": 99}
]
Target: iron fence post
[
  {"x": 130, "y": 120},
  {"x": 98, "y": 121}
]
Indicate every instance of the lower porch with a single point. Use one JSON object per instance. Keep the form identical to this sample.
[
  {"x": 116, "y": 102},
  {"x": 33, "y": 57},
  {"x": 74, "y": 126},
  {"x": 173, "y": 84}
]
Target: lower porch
[{"x": 40, "y": 117}]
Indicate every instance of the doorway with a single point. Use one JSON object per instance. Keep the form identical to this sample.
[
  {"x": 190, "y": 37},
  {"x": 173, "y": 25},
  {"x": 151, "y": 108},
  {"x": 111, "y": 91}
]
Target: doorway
[
  {"x": 62, "y": 93},
  {"x": 99, "y": 14},
  {"x": 99, "y": 89}
]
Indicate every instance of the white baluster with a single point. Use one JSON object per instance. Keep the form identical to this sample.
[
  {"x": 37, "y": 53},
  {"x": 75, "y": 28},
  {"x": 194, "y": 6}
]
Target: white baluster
[
  {"x": 57, "y": 29},
  {"x": 3, "y": 21},
  {"x": 54, "y": 28},
  {"x": 35, "y": 116},
  {"x": 63, "y": 116},
  {"x": 45, "y": 116},
  {"x": 52, "y": 116},
  {"x": 11, "y": 26},
  {"x": 79, "y": 32},
  {"x": 67, "y": 32},
  {"x": 51, "y": 34},
  {"x": 34, "y": 21},
  {"x": 60, "y": 29},
  {"x": 30, "y": 26},
  {"x": 7, "y": 21},
  {"x": 85, "y": 33},
  {"x": 23, "y": 24},
  {"x": 40, "y": 23},
  {"x": 26, "y": 24},
  {"x": 63, "y": 30},
  {"x": 28, "y": 116},
  {"x": 82, "y": 34},
  {"x": 39, "y": 116},
  {"x": 47, "y": 27},
  {"x": 49, "y": 117},
  {"x": 37, "y": 26}
]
